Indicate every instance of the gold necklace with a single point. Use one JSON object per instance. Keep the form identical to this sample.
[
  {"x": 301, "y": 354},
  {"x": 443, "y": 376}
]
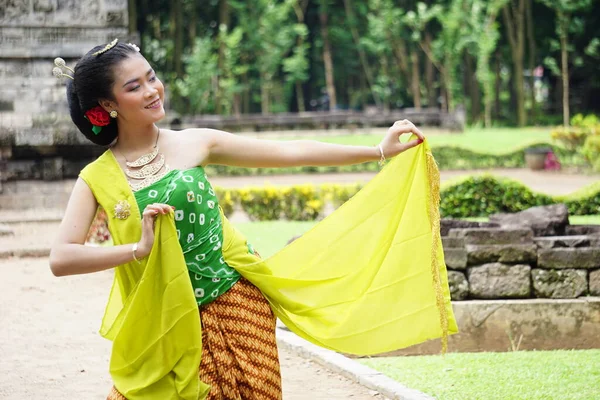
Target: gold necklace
[{"x": 144, "y": 171}]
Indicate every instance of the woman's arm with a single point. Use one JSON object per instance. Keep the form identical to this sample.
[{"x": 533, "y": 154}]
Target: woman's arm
[
  {"x": 69, "y": 254},
  {"x": 227, "y": 149}
]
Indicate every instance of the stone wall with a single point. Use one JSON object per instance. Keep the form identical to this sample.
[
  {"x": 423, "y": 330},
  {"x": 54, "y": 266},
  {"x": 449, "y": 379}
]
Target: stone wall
[
  {"x": 33, "y": 107},
  {"x": 514, "y": 263}
]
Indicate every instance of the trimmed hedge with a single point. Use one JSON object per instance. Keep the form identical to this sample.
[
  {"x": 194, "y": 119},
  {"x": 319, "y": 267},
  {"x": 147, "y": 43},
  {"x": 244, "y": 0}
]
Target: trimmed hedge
[
  {"x": 447, "y": 157},
  {"x": 477, "y": 196}
]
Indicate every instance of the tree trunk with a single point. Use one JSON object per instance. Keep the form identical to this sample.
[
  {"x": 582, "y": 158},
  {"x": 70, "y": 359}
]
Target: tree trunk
[
  {"x": 132, "y": 16},
  {"x": 385, "y": 72},
  {"x": 473, "y": 86},
  {"x": 223, "y": 20},
  {"x": 327, "y": 60},
  {"x": 564, "y": 58},
  {"x": 429, "y": 75},
  {"x": 449, "y": 106},
  {"x": 264, "y": 95},
  {"x": 514, "y": 22},
  {"x": 178, "y": 39},
  {"x": 498, "y": 86},
  {"x": 300, "y": 9},
  {"x": 415, "y": 81},
  {"x": 246, "y": 95},
  {"x": 193, "y": 29},
  {"x": 300, "y": 97},
  {"x": 361, "y": 53},
  {"x": 531, "y": 46}
]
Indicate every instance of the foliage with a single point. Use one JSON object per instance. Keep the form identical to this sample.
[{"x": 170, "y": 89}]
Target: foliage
[
  {"x": 583, "y": 137},
  {"x": 476, "y": 196},
  {"x": 256, "y": 56},
  {"x": 197, "y": 87}
]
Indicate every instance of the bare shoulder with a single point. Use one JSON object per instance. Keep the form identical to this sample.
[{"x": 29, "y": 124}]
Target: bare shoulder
[{"x": 186, "y": 148}]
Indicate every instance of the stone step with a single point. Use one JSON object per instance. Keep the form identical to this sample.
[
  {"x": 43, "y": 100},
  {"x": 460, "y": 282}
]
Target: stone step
[
  {"x": 569, "y": 258},
  {"x": 503, "y": 253},
  {"x": 549, "y": 242},
  {"x": 493, "y": 235},
  {"x": 21, "y": 202}
]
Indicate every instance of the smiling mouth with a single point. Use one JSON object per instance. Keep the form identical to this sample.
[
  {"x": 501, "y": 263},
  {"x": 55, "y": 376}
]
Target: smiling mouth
[{"x": 154, "y": 104}]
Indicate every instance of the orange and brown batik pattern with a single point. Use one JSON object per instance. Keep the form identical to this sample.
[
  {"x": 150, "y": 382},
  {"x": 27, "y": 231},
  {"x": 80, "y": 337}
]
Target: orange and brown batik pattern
[{"x": 239, "y": 351}]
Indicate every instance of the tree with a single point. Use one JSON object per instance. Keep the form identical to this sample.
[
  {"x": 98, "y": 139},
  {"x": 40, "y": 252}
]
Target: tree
[
  {"x": 484, "y": 38},
  {"x": 564, "y": 10},
  {"x": 327, "y": 59},
  {"x": 296, "y": 66},
  {"x": 514, "y": 20}
]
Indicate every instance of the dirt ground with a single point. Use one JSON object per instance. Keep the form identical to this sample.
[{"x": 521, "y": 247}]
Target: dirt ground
[{"x": 50, "y": 348}]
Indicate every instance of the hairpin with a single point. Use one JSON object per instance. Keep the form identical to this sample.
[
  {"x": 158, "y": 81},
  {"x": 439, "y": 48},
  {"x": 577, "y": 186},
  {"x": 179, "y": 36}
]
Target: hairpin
[
  {"x": 107, "y": 47},
  {"x": 58, "y": 70},
  {"x": 134, "y": 46}
]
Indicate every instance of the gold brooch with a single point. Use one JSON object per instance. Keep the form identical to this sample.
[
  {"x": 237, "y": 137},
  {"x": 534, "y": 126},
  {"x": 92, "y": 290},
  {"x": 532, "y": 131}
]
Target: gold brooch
[{"x": 122, "y": 209}]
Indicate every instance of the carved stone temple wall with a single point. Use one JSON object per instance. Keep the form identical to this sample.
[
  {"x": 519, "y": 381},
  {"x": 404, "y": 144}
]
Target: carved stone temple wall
[{"x": 37, "y": 138}]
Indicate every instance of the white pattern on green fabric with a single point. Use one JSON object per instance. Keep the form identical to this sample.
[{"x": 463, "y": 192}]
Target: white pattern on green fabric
[{"x": 195, "y": 205}]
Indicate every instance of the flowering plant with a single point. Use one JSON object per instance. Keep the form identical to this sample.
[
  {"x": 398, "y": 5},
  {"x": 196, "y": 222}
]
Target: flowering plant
[{"x": 98, "y": 117}]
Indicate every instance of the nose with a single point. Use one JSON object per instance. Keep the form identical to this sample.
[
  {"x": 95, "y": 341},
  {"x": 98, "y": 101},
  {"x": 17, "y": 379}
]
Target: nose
[{"x": 151, "y": 92}]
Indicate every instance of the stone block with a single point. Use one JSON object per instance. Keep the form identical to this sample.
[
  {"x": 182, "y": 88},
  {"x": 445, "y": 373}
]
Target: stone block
[
  {"x": 594, "y": 282},
  {"x": 582, "y": 230},
  {"x": 455, "y": 258},
  {"x": 543, "y": 220},
  {"x": 550, "y": 242},
  {"x": 499, "y": 281},
  {"x": 459, "y": 285},
  {"x": 448, "y": 223},
  {"x": 52, "y": 169},
  {"x": 569, "y": 258},
  {"x": 493, "y": 235},
  {"x": 448, "y": 242},
  {"x": 5, "y": 230},
  {"x": 503, "y": 253},
  {"x": 559, "y": 284}
]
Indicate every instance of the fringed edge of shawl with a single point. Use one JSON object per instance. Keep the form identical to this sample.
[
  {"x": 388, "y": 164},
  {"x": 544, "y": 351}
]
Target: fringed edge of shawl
[{"x": 434, "y": 218}]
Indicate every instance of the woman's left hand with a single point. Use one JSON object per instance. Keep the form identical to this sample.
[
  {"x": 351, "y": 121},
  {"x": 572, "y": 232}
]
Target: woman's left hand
[{"x": 391, "y": 144}]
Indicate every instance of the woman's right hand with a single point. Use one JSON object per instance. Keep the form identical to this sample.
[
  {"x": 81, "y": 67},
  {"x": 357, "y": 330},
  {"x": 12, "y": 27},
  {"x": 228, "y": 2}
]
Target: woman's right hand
[{"x": 148, "y": 221}]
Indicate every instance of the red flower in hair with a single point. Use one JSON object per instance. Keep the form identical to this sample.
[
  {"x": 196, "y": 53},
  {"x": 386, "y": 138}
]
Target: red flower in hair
[{"x": 98, "y": 116}]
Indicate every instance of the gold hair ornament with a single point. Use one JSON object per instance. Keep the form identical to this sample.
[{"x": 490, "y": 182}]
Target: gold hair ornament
[
  {"x": 106, "y": 48},
  {"x": 134, "y": 46},
  {"x": 59, "y": 70}
]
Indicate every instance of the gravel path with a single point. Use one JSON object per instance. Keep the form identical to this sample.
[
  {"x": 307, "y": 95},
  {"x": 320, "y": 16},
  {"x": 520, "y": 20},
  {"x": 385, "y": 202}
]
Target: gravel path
[{"x": 50, "y": 348}]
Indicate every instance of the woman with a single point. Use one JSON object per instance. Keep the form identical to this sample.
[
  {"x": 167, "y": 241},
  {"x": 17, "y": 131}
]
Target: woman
[{"x": 116, "y": 99}]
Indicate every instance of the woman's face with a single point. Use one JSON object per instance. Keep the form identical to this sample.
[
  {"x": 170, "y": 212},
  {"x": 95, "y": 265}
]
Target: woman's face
[{"x": 138, "y": 93}]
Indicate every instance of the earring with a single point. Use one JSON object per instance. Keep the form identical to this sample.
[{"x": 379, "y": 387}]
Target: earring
[{"x": 114, "y": 114}]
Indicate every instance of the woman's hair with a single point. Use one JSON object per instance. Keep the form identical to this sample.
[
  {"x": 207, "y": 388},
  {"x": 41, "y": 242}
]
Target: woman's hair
[{"x": 93, "y": 80}]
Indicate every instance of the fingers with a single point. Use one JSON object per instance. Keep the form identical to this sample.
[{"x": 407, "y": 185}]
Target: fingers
[
  {"x": 405, "y": 126},
  {"x": 152, "y": 210},
  {"x": 409, "y": 145}
]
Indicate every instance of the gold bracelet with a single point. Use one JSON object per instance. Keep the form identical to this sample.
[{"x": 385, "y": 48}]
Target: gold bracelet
[
  {"x": 382, "y": 159},
  {"x": 133, "y": 250}
]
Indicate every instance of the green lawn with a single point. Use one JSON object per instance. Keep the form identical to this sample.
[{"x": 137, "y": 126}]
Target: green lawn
[
  {"x": 269, "y": 236},
  {"x": 522, "y": 375},
  {"x": 495, "y": 140}
]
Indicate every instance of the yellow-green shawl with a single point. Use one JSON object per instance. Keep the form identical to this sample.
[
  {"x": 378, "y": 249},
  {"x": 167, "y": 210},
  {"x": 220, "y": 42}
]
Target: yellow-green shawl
[{"x": 369, "y": 278}]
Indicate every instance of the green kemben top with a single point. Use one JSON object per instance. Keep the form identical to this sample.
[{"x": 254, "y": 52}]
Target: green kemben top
[{"x": 199, "y": 229}]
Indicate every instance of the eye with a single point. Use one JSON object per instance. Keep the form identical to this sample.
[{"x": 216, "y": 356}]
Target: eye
[
  {"x": 133, "y": 89},
  {"x": 152, "y": 78}
]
